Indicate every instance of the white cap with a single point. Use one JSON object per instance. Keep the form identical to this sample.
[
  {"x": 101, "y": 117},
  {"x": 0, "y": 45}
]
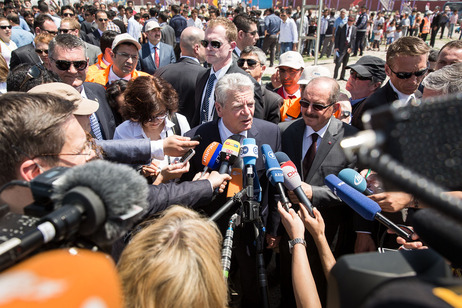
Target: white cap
[
  {"x": 151, "y": 25},
  {"x": 311, "y": 72},
  {"x": 125, "y": 38},
  {"x": 292, "y": 59}
]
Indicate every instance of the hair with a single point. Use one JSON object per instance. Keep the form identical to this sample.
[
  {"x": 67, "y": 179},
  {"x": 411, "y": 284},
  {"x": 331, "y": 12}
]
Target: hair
[
  {"x": 231, "y": 30},
  {"x": 40, "y": 20},
  {"x": 98, "y": 12},
  {"x": 174, "y": 262},
  {"x": 16, "y": 77},
  {"x": 256, "y": 51},
  {"x": 30, "y": 125},
  {"x": 452, "y": 45},
  {"x": 235, "y": 82},
  {"x": 106, "y": 39},
  {"x": 13, "y": 18},
  {"x": 433, "y": 55},
  {"x": 3, "y": 69},
  {"x": 114, "y": 90},
  {"x": 43, "y": 7},
  {"x": 445, "y": 80},
  {"x": 72, "y": 22},
  {"x": 111, "y": 14},
  {"x": 67, "y": 42},
  {"x": 153, "y": 11},
  {"x": 243, "y": 21},
  {"x": 175, "y": 9},
  {"x": 44, "y": 38},
  {"x": 145, "y": 96},
  {"x": 91, "y": 10},
  {"x": 67, "y": 7},
  {"x": 406, "y": 46},
  {"x": 335, "y": 88},
  {"x": 129, "y": 10}
]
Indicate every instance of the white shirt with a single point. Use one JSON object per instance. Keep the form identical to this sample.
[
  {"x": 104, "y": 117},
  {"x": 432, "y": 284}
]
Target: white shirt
[
  {"x": 134, "y": 28},
  {"x": 195, "y": 23},
  {"x": 401, "y": 96},
  {"x": 7, "y": 48},
  {"x": 225, "y": 133},
  {"x": 113, "y": 77},
  {"x": 288, "y": 32},
  {"x": 218, "y": 74}
]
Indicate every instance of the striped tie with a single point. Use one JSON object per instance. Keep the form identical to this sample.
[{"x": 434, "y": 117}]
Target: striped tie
[
  {"x": 205, "y": 103},
  {"x": 95, "y": 127}
]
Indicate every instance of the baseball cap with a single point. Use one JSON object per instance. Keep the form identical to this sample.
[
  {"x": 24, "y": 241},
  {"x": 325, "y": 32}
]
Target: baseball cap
[
  {"x": 125, "y": 38},
  {"x": 84, "y": 106},
  {"x": 311, "y": 72},
  {"x": 152, "y": 25},
  {"x": 291, "y": 59},
  {"x": 370, "y": 66}
]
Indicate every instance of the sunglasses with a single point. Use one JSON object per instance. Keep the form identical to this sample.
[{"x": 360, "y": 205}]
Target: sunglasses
[
  {"x": 355, "y": 75},
  {"x": 407, "y": 75},
  {"x": 61, "y": 31},
  {"x": 318, "y": 107},
  {"x": 51, "y": 32},
  {"x": 6, "y": 27},
  {"x": 103, "y": 19},
  {"x": 33, "y": 73},
  {"x": 250, "y": 62},
  {"x": 42, "y": 51},
  {"x": 214, "y": 44},
  {"x": 68, "y": 15},
  {"x": 64, "y": 65}
]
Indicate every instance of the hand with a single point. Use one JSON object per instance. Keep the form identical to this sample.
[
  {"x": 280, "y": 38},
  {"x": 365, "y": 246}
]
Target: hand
[
  {"x": 314, "y": 225},
  {"x": 150, "y": 170},
  {"x": 275, "y": 80},
  {"x": 177, "y": 145},
  {"x": 218, "y": 180},
  {"x": 170, "y": 172},
  {"x": 292, "y": 223},
  {"x": 409, "y": 245},
  {"x": 393, "y": 201},
  {"x": 349, "y": 50},
  {"x": 364, "y": 243},
  {"x": 306, "y": 189},
  {"x": 273, "y": 241}
]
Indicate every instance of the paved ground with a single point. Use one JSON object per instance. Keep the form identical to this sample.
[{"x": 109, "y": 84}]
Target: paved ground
[{"x": 329, "y": 63}]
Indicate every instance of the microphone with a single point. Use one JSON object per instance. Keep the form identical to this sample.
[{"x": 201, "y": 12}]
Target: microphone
[
  {"x": 210, "y": 157},
  {"x": 355, "y": 180},
  {"x": 274, "y": 173},
  {"x": 361, "y": 204},
  {"x": 440, "y": 232},
  {"x": 236, "y": 183},
  {"x": 293, "y": 181},
  {"x": 229, "y": 152},
  {"x": 98, "y": 200},
  {"x": 249, "y": 154}
]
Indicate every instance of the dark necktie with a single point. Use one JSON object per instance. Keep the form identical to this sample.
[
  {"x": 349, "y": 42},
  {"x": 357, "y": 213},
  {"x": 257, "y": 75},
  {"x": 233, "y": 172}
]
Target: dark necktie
[
  {"x": 347, "y": 36},
  {"x": 309, "y": 156},
  {"x": 205, "y": 103},
  {"x": 156, "y": 57},
  {"x": 292, "y": 96}
]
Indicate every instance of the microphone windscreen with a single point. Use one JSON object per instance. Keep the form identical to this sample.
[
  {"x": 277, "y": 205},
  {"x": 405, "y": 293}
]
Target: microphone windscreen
[
  {"x": 62, "y": 278},
  {"x": 236, "y": 183},
  {"x": 231, "y": 147},
  {"x": 440, "y": 232},
  {"x": 121, "y": 189},
  {"x": 211, "y": 155},
  {"x": 273, "y": 170},
  {"x": 249, "y": 151},
  {"x": 292, "y": 179},
  {"x": 361, "y": 204},
  {"x": 282, "y": 157},
  {"x": 354, "y": 179}
]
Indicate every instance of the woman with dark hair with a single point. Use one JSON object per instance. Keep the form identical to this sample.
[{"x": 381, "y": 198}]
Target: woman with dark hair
[
  {"x": 150, "y": 105},
  {"x": 115, "y": 98}
]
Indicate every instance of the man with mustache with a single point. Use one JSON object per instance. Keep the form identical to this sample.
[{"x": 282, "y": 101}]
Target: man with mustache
[{"x": 313, "y": 144}]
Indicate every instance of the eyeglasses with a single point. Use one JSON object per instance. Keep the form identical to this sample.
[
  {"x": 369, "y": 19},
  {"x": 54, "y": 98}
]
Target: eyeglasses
[
  {"x": 64, "y": 65},
  {"x": 87, "y": 150},
  {"x": 355, "y": 75},
  {"x": 41, "y": 51},
  {"x": 51, "y": 32},
  {"x": 158, "y": 118},
  {"x": 253, "y": 33},
  {"x": 61, "y": 31},
  {"x": 250, "y": 62},
  {"x": 406, "y": 75},
  {"x": 33, "y": 73},
  {"x": 318, "y": 107},
  {"x": 127, "y": 56},
  {"x": 214, "y": 44},
  {"x": 5, "y": 27},
  {"x": 68, "y": 14},
  {"x": 103, "y": 19}
]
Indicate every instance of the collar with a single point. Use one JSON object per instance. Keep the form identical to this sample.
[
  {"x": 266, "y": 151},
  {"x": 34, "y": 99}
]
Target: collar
[
  {"x": 192, "y": 58},
  {"x": 401, "y": 96},
  {"x": 297, "y": 93},
  {"x": 151, "y": 46},
  {"x": 355, "y": 101},
  {"x": 222, "y": 71},
  {"x": 225, "y": 133},
  {"x": 309, "y": 131},
  {"x": 238, "y": 51},
  {"x": 113, "y": 77}
]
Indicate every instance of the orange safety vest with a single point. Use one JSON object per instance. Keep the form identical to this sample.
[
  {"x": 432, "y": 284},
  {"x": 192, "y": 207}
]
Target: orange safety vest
[
  {"x": 102, "y": 76},
  {"x": 99, "y": 65},
  {"x": 426, "y": 26},
  {"x": 290, "y": 107}
]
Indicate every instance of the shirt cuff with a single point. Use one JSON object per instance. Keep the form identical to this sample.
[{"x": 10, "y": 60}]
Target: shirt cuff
[{"x": 157, "y": 149}]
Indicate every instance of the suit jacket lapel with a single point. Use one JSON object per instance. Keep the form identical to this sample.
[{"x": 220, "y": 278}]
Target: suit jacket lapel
[
  {"x": 328, "y": 141},
  {"x": 297, "y": 143}
]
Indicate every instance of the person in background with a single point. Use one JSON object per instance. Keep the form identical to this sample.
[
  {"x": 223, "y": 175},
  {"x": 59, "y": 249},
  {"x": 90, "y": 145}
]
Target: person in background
[
  {"x": 115, "y": 99},
  {"x": 41, "y": 42},
  {"x": 6, "y": 44},
  {"x": 3, "y": 74}
]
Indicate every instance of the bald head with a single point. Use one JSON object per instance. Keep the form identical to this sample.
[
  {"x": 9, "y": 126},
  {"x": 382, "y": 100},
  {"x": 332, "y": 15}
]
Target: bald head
[{"x": 190, "y": 43}]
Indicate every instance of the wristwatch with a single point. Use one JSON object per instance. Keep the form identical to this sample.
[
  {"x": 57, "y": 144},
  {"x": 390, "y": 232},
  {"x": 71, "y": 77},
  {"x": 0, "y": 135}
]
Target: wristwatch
[{"x": 294, "y": 242}]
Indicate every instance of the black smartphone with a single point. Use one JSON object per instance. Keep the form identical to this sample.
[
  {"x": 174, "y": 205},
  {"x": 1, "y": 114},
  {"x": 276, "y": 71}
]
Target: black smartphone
[
  {"x": 187, "y": 156},
  {"x": 197, "y": 138}
]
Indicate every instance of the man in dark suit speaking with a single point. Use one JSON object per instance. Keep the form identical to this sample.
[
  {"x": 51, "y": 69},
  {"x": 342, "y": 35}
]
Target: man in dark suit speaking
[
  {"x": 313, "y": 144},
  {"x": 234, "y": 105}
]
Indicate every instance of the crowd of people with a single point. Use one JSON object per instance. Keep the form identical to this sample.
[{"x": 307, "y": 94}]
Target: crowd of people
[{"x": 137, "y": 85}]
